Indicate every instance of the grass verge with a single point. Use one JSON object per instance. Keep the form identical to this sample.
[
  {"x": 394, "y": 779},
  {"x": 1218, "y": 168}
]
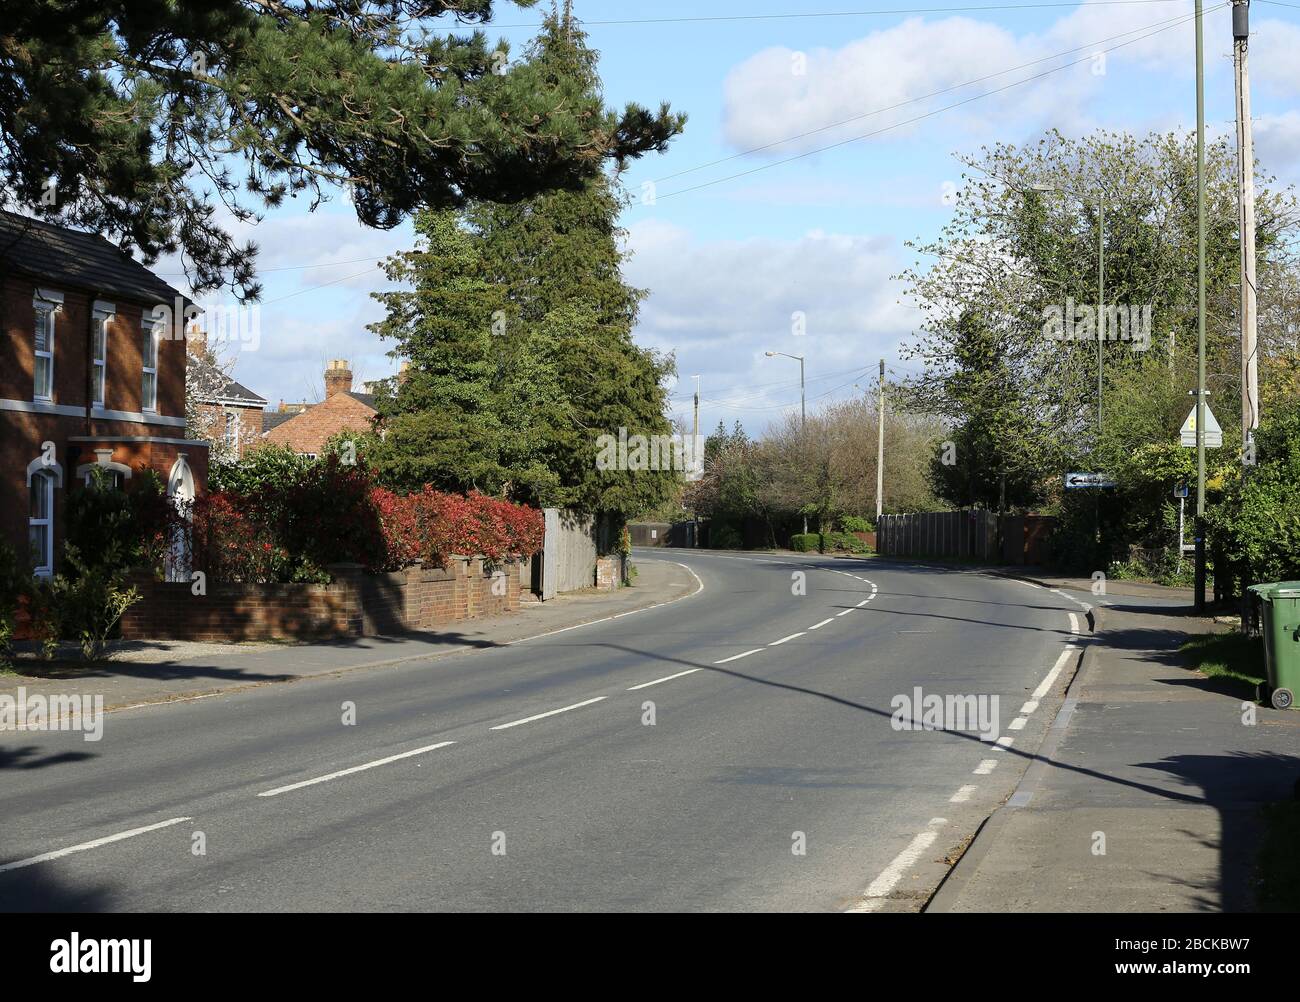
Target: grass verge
[{"x": 1228, "y": 656}]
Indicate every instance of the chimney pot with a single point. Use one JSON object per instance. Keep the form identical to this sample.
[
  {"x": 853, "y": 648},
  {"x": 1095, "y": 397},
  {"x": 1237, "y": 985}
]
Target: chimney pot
[{"x": 338, "y": 377}]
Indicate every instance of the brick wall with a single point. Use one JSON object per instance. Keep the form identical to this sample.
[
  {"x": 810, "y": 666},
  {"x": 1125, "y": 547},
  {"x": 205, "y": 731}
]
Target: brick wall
[
  {"x": 609, "y": 573},
  {"x": 356, "y": 604}
]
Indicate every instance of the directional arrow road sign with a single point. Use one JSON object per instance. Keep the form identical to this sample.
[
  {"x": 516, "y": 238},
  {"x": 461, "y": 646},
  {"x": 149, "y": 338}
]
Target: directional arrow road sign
[{"x": 1088, "y": 480}]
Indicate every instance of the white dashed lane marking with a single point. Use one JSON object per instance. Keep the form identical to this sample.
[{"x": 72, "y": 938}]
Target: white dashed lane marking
[
  {"x": 737, "y": 657},
  {"x": 666, "y": 678},
  {"x": 548, "y": 713}
]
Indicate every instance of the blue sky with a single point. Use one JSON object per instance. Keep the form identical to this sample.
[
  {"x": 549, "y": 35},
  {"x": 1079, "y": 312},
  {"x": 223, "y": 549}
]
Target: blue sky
[{"x": 730, "y": 264}]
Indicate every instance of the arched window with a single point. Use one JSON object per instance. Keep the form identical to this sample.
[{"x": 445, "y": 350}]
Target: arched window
[{"x": 40, "y": 521}]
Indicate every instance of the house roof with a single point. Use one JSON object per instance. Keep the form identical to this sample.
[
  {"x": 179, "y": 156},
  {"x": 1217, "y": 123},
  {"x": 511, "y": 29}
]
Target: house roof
[
  {"x": 62, "y": 256},
  {"x": 228, "y": 390},
  {"x": 273, "y": 419}
]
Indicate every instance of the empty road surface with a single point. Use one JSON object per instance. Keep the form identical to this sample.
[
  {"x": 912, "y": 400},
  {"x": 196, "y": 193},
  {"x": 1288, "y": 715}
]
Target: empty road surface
[{"x": 734, "y": 750}]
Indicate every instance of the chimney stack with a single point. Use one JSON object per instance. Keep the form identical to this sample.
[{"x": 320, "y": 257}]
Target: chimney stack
[{"x": 338, "y": 377}]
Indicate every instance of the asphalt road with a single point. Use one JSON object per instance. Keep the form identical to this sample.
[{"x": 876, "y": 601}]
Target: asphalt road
[{"x": 460, "y": 786}]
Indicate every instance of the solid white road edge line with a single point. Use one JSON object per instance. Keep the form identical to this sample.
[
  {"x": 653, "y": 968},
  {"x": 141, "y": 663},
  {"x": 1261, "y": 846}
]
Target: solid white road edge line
[
  {"x": 548, "y": 713},
  {"x": 95, "y": 844},
  {"x": 1045, "y": 686},
  {"x": 606, "y": 619},
  {"x": 666, "y": 678},
  {"x": 872, "y": 897},
  {"x": 356, "y": 768}
]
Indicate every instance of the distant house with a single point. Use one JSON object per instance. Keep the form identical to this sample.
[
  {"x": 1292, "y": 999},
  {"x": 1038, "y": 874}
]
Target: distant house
[
  {"x": 305, "y": 428},
  {"x": 92, "y": 373},
  {"x": 226, "y": 412}
]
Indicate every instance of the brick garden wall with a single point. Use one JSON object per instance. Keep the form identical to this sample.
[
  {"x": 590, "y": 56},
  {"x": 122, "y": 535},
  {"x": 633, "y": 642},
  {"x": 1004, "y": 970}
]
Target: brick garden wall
[{"x": 356, "y": 604}]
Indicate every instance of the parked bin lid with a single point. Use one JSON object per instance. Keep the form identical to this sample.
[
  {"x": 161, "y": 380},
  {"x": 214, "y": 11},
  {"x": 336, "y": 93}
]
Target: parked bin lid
[{"x": 1276, "y": 589}]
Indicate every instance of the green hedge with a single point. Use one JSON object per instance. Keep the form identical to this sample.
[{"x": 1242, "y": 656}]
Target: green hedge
[{"x": 821, "y": 542}]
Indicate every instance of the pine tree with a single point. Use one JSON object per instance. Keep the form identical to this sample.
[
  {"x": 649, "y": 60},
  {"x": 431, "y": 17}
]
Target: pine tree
[
  {"x": 543, "y": 341},
  {"x": 116, "y": 115}
]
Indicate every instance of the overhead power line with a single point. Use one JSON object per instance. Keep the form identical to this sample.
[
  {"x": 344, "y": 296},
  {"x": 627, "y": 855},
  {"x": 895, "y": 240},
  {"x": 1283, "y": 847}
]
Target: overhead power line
[
  {"x": 932, "y": 113},
  {"x": 923, "y": 97},
  {"x": 803, "y": 15}
]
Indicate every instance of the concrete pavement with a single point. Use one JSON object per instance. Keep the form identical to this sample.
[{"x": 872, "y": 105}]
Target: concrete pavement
[{"x": 1146, "y": 794}]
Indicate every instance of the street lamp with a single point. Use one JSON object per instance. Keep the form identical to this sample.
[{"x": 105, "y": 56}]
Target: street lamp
[
  {"x": 1101, "y": 277},
  {"x": 803, "y": 407},
  {"x": 803, "y": 414}
]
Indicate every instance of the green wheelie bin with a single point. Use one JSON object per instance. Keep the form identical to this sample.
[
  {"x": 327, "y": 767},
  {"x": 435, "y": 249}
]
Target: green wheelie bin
[{"x": 1280, "y": 603}]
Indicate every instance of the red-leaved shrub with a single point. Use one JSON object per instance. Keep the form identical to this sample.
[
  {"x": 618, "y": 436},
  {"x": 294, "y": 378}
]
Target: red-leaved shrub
[{"x": 334, "y": 514}]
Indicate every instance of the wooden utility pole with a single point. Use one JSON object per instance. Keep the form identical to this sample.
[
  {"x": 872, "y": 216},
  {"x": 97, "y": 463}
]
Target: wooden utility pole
[
  {"x": 1246, "y": 219},
  {"x": 880, "y": 449}
]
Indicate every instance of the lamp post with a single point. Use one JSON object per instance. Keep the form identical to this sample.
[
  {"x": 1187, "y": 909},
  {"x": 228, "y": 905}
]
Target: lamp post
[
  {"x": 803, "y": 406},
  {"x": 803, "y": 413}
]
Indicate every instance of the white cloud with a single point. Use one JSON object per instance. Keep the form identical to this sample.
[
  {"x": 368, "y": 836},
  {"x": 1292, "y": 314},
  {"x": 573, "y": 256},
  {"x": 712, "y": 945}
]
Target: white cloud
[
  {"x": 873, "y": 83},
  {"x": 1274, "y": 68},
  {"x": 722, "y": 303},
  {"x": 1277, "y": 144}
]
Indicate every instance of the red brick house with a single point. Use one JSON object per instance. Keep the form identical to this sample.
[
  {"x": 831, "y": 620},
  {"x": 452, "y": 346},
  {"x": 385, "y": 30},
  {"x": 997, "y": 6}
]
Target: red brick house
[
  {"x": 305, "y": 428},
  {"x": 223, "y": 411},
  {"x": 91, "y": 372}
]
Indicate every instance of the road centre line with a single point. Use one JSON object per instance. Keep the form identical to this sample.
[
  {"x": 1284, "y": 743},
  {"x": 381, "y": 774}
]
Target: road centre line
[
  {"x": 667, "y": 678},
  {"x": 783, "y": 640},
  {"x": 93, "y": 844},
  {"x": 355, "y": 769},
  {"x": 548, "y": 713},
  {"x": 818, "y": 626},
  {"x": 737, "y": 657},
  {"x": 844, "y": 613}
]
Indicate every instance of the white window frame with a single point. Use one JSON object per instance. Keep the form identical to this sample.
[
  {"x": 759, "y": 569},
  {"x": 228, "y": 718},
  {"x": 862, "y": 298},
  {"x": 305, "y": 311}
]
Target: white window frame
[
  {"x": 45, "y": 304},
  {"x": 47, "y": 478},
  {"x": 230, "y": 433},
  {"x": 152, "y": 332},
  {"x": 103, "y": 315}
]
